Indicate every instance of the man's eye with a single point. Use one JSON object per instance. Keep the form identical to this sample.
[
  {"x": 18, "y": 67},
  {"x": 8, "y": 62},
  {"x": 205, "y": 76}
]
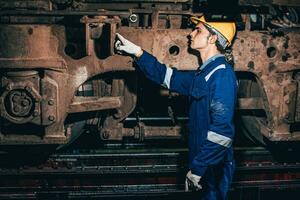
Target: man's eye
[{"x": 198, "y": 30}]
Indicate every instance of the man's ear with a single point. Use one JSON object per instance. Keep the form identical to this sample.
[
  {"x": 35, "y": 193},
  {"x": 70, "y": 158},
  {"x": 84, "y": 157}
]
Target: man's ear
[{"x": 213, "y": 39}]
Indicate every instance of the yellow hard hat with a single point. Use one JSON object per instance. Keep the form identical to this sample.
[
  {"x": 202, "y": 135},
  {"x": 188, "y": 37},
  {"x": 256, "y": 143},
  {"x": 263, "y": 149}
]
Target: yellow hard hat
[{"x": 224, "y": 30}]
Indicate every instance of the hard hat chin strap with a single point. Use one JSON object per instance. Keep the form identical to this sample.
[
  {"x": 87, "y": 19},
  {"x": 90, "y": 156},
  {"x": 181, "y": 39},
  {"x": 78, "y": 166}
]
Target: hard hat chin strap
[{"x": 222, "y": 40}]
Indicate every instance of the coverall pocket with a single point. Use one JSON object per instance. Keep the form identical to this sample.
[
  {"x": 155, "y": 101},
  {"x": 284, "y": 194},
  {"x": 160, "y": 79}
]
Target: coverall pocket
[
  {"x": 199, "y": 88},
  {"x": 198, "y": 93}
]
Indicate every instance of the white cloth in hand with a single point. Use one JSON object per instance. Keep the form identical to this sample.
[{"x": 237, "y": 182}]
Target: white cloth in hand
[
  {"x": 126, "y": 46},
  {"x": 192, "y": 182}
]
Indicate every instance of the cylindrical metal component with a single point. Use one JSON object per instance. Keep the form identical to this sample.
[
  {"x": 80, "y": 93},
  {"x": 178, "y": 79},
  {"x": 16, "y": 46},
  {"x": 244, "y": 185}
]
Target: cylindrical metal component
[
  {"x": 161, "y": 132},
  {"x": 157, "y": 132}
]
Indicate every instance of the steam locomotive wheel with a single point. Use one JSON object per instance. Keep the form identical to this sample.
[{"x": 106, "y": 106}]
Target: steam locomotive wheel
[{"x": 252, "y": 121}]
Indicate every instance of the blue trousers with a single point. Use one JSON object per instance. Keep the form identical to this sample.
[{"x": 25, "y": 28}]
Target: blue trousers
[{"x": 217, "y": 180}]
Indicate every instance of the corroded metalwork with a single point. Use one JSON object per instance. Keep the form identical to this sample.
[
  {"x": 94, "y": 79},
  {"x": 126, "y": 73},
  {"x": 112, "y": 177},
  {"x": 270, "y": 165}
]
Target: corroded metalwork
[{"x": 51, "y": 52}]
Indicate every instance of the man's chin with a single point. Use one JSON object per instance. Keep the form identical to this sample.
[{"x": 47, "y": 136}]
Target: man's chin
[{"x": 191, "y": 46}]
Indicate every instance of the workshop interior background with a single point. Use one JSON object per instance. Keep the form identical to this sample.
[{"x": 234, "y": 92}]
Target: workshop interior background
[{"x": 78, "y": 120}]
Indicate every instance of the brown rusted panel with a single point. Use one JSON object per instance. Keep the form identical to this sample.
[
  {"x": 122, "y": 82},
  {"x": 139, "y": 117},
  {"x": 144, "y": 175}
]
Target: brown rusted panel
[
  {"x": 33, "y": 41},
  {"x": 297, "y": 98},
  {"x": 250, "y": 104},
  {"x": 46, "y": 97},
  {"x": 169, "y": 46},
  {"x": 36, "y": 4},
  {"x": 272, "y": 60},
  {"x": 288, "y": 105},
  {"x": 87, "y": 104},
  {"x": 262, "y": 53}
]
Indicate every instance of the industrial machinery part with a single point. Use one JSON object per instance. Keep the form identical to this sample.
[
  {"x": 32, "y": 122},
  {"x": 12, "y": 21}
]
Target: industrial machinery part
[{"x": 60, "y": 75}]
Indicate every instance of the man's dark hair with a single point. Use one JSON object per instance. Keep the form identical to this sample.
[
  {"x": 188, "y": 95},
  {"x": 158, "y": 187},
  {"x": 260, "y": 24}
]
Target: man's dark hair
[{"x": 226, "y": 51}]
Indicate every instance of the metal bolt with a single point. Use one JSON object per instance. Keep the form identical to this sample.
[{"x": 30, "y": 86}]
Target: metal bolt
[
  {"x": 15, "y": 98},
  {"x": 69, "y": 165},
  {"x": 54, "y": 165},
  {"x": 25, "y": 103},
  {"x": 35, "y": 113},
  {"x": 105, "y": 134},
  {"x": 287, "y": 101},
  {"x": 30, "y": 31},
  {"x": 68, "y": 132},
  {"x": 51, "y": 118},
  {"x": 133, "y": 18},
  {"x": 118, "y": 114},
  {"x": 28, "y": 89},
  {"x": 287, "y": 116},
  {"x": 51, "y": 102},
  {"x": 17, "y": 109},
  {"x": 8, "y": 87}
]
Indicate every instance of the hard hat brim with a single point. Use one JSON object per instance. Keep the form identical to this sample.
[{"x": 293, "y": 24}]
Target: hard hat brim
[{"x": 196, "y": 20}]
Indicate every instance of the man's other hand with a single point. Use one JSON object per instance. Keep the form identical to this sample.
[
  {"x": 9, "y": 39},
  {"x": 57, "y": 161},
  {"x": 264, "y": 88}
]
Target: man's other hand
[{"x": 192, "y": 182}]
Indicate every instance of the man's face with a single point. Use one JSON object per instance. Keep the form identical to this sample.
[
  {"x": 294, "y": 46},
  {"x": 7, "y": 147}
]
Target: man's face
[{"x": 199, "y": 37}]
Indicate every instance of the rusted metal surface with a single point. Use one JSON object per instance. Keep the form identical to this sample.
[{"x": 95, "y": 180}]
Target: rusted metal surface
[
  {"x": 274, "y": 62},
  {"x": 45, "y": 57},
  {"x": 250, "y": 103},
  {"x": 86, "y": 104}
]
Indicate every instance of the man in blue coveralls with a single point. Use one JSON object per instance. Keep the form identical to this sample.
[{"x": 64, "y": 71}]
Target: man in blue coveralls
[{"x": 212, "y": 92}]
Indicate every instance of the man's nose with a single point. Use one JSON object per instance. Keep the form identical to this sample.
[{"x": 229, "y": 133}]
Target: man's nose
[{"x": 191, "y": 35}]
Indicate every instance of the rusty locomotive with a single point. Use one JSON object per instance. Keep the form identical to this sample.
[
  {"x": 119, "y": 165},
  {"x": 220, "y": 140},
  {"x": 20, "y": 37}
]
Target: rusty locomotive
[{"x": 60, "y": 75}]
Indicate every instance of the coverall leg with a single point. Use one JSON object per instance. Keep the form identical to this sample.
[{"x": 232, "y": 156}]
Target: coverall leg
[{"x": 217, "y": 180}]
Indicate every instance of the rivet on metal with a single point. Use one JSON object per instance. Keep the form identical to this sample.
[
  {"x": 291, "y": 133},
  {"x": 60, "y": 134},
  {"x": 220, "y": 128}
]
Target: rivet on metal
[
  {"x": 28, "y": 88},
  {"x": 133, "y": 18},
  {"x": 51, "y": 118},
  {"x": 35, "y": 113},
  {"x": 51, "y": 102}
]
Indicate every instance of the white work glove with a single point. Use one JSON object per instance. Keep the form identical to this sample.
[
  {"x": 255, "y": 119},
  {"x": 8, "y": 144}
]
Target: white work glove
[
  {"x": 192, "y": 182},
  {"x": 128, "y": 47}
]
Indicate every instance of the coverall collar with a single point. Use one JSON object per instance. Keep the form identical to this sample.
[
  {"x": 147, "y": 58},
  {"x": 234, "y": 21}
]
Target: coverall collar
[{"x": 209, "y": 61}]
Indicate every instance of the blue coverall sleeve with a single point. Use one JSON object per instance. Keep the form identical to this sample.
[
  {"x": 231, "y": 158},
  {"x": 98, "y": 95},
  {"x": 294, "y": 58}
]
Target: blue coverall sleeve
[
  {"x": 179, "y": 81},
  {"x": 221, "y": 129}
]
